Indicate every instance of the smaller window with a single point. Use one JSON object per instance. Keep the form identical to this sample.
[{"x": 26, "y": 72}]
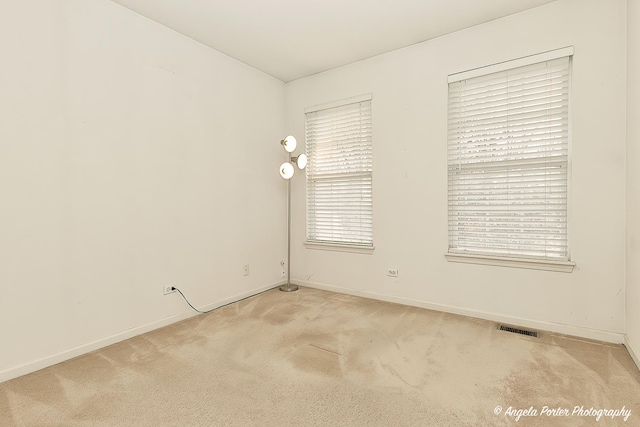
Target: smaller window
[{"x": 339, "y": 174}]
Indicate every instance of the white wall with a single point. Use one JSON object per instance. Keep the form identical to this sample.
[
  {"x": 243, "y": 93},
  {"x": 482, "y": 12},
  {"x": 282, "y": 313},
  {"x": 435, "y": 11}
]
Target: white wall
[
  {"x": 120, "y": 171},
  {"x": 409, "y": 88},
  {"x": 633, "y": 179}
]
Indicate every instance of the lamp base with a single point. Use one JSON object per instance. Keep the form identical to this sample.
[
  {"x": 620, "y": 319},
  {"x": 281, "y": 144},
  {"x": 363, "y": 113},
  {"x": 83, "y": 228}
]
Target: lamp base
[{"x": 289, "y": 287}]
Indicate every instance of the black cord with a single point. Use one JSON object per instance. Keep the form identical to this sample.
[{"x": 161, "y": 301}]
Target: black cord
[{"x": 173, "y": 288}]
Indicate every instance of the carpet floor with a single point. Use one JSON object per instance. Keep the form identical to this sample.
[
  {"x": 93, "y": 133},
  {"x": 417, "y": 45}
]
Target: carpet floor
[{"x": 317, "y": 358}]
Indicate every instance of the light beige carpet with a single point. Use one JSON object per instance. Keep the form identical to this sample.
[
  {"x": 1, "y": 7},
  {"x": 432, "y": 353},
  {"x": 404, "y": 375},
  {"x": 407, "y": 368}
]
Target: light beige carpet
[{"x": 315, "y": 358}]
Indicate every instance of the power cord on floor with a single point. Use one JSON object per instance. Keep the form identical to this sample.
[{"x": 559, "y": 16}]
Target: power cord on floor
[{"x": 173, "y": 288}]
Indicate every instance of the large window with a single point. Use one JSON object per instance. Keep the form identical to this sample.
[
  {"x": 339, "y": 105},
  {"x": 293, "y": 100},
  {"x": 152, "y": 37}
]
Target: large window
[
  {"x": 339, "y": 174},
  {"x": 508, "y": 159}
]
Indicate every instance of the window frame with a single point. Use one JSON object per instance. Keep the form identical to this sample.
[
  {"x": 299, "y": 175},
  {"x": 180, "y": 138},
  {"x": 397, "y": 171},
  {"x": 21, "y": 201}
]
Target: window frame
[
  {"x": 494, "y": 259},
  {"x": 333, "y": 245}
]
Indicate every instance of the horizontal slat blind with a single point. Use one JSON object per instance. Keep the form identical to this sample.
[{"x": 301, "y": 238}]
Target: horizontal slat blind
[
  {"x": 508, "y": 151},
  {"x": 339, "y": 175}
]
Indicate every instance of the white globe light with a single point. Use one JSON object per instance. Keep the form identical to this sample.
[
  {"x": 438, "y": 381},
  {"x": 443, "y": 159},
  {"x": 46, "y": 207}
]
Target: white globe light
[
  {"x": 290, "y": 143},
  {"x": 301, "y": 161},
  {"x": 286, "y": 170}
]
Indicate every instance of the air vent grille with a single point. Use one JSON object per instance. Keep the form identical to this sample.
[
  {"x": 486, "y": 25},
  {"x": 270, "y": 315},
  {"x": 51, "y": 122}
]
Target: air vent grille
[{"x": 518, "y": 331}]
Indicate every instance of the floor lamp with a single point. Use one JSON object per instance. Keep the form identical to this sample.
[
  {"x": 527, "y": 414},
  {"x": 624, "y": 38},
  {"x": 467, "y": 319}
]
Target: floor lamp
[{"x": 286, "y": 171}]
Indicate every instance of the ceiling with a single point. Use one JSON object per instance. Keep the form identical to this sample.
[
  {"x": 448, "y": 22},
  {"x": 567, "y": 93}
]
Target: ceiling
[{"x": 291, "y": 39}]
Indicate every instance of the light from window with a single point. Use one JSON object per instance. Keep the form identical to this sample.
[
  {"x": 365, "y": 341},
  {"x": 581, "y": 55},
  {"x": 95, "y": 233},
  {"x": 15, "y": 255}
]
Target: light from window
[
  {"x": 508, "y": 158},
  {"x": 339, "y": 174}
]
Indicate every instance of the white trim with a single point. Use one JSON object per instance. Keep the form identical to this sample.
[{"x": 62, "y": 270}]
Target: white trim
[
  {"x": 633, "y": 351},
  {"x": 339, "y": 248},
  {"x": 514, "y": 63},
  {"x": 54, "y": 359},
  {"x": 339, "y": 103},
  {"x": 532, "y": 264},
  {"x": 570, "y": 161},
  {"x": 574, "y": 331}
]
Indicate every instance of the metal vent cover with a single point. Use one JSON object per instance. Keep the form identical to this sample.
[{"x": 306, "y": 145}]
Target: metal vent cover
[{"x": 520, "y": 331}]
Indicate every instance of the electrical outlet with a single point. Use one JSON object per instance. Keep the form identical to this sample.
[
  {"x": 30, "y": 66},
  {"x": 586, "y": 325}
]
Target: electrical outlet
[
  {"x": 392, "y": 272},
  {"x": 245, "y": 269},
  {"x": 168, "y": 289},
  {"x": 282, "y": 272}
]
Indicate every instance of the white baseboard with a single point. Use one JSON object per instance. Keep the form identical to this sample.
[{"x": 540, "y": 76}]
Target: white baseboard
[
  {"x": 633, "y": 351},
  {"x": 104, "y": 342},
  {"x": 576, "y": 331}
]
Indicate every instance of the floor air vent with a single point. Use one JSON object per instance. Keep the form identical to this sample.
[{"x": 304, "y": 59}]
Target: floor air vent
[{"x": 518, "y": 331}]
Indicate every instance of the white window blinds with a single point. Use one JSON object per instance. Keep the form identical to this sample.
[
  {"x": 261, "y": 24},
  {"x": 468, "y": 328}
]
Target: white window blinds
[
  {"x": 508, "y": 154},
  {"x": 339, "y": 175}
]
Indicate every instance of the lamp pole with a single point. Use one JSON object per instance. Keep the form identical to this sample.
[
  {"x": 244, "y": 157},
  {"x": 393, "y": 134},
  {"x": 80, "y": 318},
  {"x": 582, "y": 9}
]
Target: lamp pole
[{"x": 289, "y": 287}]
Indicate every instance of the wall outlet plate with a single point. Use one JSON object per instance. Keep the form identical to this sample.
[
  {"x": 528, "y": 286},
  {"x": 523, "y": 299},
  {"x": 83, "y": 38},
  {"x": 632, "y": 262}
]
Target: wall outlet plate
[
  {"x": 166, "y": 289},
  {"x": 245, "y": 270},
  {"x": 392, "y": 272}
]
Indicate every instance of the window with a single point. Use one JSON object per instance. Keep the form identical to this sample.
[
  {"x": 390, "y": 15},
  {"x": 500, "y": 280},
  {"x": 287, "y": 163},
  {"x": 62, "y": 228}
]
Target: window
[
  {"x": 339, "y": 175},
  {"x": 508, "y": 159}
]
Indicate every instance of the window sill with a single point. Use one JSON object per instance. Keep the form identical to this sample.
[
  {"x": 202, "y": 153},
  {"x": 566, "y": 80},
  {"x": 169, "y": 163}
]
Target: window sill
[
  {"x": 532, "y": 264},
  {"x": 339, "y": 248}
]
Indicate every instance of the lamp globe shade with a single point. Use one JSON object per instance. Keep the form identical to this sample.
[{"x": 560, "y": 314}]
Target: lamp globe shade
[
  {"x": 301, "y": 161},
  {"x": 290, "y": 143},
  {"x": 286, "y": 170}
]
